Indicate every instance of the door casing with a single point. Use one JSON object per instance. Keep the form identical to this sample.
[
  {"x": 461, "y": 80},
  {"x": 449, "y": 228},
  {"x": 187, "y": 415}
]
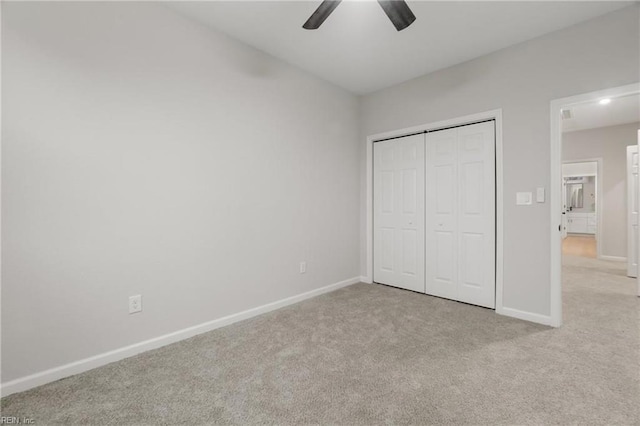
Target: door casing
[{"x": 633, "y": 193}]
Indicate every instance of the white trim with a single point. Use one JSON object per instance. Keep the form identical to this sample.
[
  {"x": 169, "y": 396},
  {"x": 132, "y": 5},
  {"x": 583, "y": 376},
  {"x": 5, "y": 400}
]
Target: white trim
[
  {"x": 1, "y": 193},
  {"x": 555, "y": 249},
  {"x": 366, "y": 280},
  {"x": 613, "y": 258},
  {"x": 599, "y": 199},
  {"x": 369, "y": 211},
  {"x": 496, "y": 115},
  {"x": 57, "y": 373},
  {"x": 527, "y": 316},
  {"x": 499, "y": 215}
]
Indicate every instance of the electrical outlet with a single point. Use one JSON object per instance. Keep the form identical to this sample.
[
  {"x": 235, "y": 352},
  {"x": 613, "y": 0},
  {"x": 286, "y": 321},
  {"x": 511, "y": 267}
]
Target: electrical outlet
[
  {"x": 303, "y": 267},
  {"x": 135, "y": 304}
]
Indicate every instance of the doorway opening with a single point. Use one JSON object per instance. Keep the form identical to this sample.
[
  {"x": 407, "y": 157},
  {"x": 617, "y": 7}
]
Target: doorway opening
[
  {"x": 590, "y": 204},
  {"x": 582, "y": 206}
]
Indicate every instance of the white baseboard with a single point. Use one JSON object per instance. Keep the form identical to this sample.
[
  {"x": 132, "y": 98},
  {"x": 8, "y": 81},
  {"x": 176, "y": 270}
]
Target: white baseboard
[
  {"x": 366, "y": 280},
  {"x": 613, "y": 258},
  {"x": 57, "y": 373},
  {"x": 523, "y": 315}
]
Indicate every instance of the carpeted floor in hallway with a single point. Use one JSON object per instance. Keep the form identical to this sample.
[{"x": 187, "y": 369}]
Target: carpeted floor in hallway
[{"x": 370, "y": 354}]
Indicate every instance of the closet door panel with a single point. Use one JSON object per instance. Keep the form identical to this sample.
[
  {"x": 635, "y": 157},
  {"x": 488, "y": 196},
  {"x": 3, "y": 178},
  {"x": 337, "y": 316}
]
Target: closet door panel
[
  {"x": 399, "y": 212},
  {"x": 460, "y": 205},
  {"x": 384, "y": 212},
  {"x": 476, "y": 218},
  {"x": 441, "y": 225}
]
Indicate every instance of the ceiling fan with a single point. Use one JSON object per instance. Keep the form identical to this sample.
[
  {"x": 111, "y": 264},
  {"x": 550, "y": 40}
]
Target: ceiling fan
[{"x": 397, "y": 10}]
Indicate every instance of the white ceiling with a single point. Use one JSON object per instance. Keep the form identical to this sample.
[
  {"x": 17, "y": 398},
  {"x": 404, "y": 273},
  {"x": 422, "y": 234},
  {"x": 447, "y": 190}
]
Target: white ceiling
[
  {"x": 591, "y": 115},
  {"x": 358, "y": 48}
]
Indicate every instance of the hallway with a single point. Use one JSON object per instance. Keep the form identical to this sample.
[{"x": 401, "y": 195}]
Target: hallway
[{"x": 580, "y": 245}]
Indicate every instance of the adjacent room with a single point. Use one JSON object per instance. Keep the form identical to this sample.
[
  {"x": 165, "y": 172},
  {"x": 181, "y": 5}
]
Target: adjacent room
[
  {"x": 598, "y": 191},
  {"x": 320, "y": 212}
]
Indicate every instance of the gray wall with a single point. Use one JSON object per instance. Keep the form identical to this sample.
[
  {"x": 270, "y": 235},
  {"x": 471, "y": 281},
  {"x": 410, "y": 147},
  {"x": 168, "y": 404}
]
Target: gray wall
[
  {"x": 522, "y": 80},
  {"x": 143, "y": 153},
  {"x": 610, "y": 144}
]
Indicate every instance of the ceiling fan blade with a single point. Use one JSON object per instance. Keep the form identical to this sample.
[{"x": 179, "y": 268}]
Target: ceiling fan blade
[
  {"x": 322, "y": 12},
  {"x": 399, "y": 13}
]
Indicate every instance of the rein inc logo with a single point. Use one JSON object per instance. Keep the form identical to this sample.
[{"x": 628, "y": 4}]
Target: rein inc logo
[{"x": 11, "y": 420}]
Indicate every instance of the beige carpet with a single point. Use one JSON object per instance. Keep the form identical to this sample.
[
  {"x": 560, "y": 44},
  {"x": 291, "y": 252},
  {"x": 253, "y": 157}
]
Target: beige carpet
[{"x": 370, "y": 354}]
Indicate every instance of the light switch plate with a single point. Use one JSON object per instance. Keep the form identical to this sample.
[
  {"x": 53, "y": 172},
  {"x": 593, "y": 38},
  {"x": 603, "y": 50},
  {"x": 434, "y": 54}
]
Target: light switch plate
[
  {"x": 523, "y": 198},
  {"x": 540, "y": 195}
]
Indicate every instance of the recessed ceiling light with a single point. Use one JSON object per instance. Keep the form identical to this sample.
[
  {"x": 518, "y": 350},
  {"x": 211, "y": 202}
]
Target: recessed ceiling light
[{"x": 604, "y": 101}]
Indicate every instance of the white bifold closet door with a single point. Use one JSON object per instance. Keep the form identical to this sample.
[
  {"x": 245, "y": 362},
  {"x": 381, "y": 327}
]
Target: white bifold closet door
[
  {"x": 460, "y": 226},
  {"x": 398, "y": 212},
  {"x": 633, "y": 208}
]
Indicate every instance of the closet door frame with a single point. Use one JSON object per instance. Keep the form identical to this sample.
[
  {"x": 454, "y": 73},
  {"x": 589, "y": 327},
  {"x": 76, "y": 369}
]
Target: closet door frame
[{"x": 459, "y": 121}]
